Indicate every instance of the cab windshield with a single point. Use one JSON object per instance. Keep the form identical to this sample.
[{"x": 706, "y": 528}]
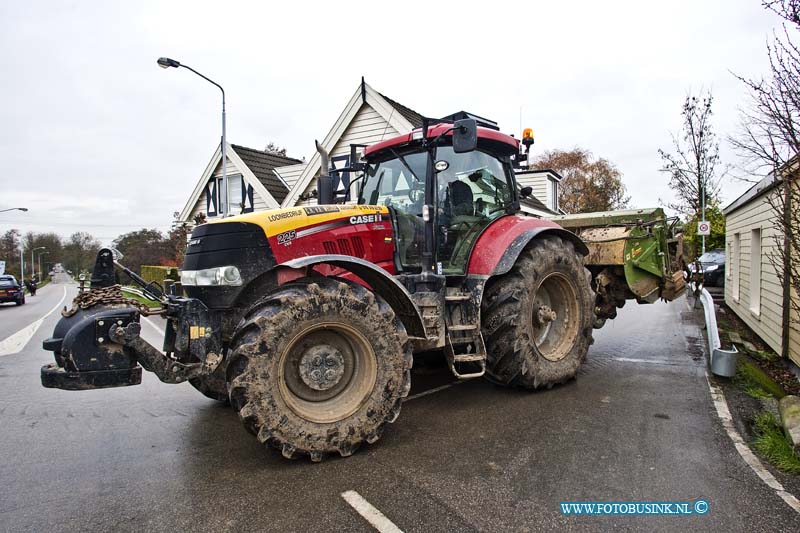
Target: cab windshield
[{"x": 472, "y": 189}]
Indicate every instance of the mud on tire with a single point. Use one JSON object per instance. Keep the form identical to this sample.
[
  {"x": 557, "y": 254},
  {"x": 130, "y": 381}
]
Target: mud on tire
[
  {"x": 319, "y": 366},
  {"x": 537, "y": 319},
  {"x": 214, "y": 385}
]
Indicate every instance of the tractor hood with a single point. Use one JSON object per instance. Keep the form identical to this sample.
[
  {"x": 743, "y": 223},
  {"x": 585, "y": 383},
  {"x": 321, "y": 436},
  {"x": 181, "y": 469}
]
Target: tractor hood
[
  {"x": 229, "y": 244},
  {"x": 256, "y": 242}
]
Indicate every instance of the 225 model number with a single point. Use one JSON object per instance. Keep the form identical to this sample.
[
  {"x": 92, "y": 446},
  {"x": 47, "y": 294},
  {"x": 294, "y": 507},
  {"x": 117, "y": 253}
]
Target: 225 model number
[{"x": 287, "y": 237}]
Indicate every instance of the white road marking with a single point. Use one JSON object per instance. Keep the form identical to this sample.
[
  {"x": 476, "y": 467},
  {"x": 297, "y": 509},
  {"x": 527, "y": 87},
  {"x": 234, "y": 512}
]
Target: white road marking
[
  {"x": 741, "y": 446},
  {"x": 432, "y": 391},
  {"x": 376, "y": 518},
  {"x": 647, "y": 361},
  {"x": 153, "y": 325},
  {"x": 17, "y": 341}
]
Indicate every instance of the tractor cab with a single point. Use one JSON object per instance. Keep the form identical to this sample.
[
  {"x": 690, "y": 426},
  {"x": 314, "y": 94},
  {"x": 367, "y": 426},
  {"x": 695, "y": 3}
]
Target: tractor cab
[{"x": 454, "y": 177}]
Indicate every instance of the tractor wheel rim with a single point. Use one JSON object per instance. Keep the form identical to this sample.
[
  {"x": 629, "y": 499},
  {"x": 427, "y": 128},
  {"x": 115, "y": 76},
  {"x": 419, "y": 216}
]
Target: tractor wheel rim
[
  {"x": 327, "y": 372},
  {"x": 555, "y": 317}
]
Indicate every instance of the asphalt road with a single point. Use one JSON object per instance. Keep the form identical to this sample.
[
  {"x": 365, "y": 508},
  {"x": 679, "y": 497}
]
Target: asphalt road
[{"x": 637, "y": 425}]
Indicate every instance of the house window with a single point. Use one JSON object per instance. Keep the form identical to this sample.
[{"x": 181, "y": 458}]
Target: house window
[
  {"x": 554, "y": 187},
  {"x": 235, "y": 186},
  {"x": 735, "y": 264},
  {"x": 241, "y": 197},
  {"x": 755, "y": 270}
]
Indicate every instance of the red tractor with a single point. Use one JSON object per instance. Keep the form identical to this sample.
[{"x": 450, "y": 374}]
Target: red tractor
[{"x": 307, "y": 319}]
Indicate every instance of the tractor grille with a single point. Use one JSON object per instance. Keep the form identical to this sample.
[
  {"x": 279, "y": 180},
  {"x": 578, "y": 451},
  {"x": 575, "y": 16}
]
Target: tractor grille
[{"x": 353, "y": 246}]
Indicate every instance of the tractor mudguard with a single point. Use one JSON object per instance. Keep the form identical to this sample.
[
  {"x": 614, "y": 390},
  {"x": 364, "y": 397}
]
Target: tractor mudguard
[
  {"x": 379, "y": 280},
  {"x": 500, "y": 244}
]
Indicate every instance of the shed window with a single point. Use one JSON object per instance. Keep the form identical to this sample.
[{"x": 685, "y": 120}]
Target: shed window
[{"x": 755, "y": 270}]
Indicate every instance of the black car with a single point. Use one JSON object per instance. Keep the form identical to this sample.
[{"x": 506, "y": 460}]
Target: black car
[
  {"x": 712, "y": 264},
  {"x": 10, "y": 290}
]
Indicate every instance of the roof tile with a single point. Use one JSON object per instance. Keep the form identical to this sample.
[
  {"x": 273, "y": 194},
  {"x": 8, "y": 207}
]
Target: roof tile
[{"x": 262, "y": 164}]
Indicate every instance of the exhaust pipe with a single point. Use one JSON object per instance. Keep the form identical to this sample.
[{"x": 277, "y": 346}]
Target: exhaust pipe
[
  {"x": 325, "y": 183},
  {"x": 324, "y": 159}
]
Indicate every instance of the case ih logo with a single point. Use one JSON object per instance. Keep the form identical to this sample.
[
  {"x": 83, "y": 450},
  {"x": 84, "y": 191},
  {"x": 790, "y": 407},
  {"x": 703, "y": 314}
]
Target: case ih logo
[{"x": 365, "y": 219}]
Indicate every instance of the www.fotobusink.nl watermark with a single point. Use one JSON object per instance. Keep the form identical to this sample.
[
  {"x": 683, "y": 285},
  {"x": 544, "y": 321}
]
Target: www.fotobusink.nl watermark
[{"x": 698, "y": 507}]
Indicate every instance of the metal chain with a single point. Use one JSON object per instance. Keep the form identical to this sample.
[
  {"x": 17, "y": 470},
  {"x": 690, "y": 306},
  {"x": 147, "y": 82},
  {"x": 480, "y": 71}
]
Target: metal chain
[{"x": 105, "y": 296}]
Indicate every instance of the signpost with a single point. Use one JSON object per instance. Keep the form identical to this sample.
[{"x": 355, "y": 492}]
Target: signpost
[{"x": 704, "y": 227}]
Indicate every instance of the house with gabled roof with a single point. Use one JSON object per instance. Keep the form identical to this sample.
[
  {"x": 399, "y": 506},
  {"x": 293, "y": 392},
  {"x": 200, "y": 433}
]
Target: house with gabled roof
[
  {"x": 368, "y": 118},
  {"x": 252, "y": 179},
  {"x": 268, "y": 180}
]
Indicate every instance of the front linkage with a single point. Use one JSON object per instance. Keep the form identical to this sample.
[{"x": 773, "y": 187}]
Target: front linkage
[{"x": 97, "y": 343}]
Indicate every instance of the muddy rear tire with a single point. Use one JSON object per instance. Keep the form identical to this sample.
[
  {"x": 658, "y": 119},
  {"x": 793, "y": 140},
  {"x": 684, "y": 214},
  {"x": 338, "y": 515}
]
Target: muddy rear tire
[
  {"x": 319, "y": 366},
  {"x": 537, "y": 319}
]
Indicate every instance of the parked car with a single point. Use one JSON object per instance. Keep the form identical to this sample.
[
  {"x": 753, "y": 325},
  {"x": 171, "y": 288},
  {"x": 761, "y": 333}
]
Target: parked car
[
  {"x": 11, "y": 291},
  {"x": 712, "y": 265}
]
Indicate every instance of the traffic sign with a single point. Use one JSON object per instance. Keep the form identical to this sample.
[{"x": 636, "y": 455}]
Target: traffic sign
[{"x": 704, "y": 227}]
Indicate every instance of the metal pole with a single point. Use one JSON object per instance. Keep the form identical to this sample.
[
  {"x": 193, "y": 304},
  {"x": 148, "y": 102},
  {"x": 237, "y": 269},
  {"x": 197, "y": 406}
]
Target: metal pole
[
  {"x": 33, "y": 264},
  {"x": 40, "y": 263},
  {"x": 703, "y": 204},
  {"x": 224, "y": 161},
  {"x": 224, "y": 140},
  {"x": 22, "y": 266}
]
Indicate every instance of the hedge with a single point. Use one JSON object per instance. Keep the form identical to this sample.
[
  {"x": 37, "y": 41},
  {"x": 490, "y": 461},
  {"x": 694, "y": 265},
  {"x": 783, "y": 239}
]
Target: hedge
[{"x": 158, "y": 274}]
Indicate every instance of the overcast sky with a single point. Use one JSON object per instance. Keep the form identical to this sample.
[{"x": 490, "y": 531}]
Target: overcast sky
[{"x": 95, "y": 137}]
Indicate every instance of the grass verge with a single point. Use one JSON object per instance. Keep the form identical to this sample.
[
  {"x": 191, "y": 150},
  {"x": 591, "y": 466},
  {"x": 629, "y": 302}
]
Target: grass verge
[
  {"x": 140, "y": 299},
  {"x": 755, "y": 382},
  {"x": 772, "y": 443}
]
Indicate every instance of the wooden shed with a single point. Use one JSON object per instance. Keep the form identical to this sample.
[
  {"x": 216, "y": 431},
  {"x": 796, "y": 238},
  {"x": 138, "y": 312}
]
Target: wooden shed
[{"x": 755, "y": 256}]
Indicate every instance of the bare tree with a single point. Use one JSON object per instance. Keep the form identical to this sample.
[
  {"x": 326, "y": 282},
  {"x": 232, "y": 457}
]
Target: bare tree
[
  {"x": 769, "y": 141},
  {"x": 692, "y": 168}
]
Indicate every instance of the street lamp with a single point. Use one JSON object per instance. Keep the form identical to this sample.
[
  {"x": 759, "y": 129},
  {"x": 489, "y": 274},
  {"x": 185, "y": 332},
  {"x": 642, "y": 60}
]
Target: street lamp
[
  {"x": 40, "y": 262},
  {"x": 165, "y": 62},
  {"x": 33, "y": 264},
  {"x": 14, "y": 209}
]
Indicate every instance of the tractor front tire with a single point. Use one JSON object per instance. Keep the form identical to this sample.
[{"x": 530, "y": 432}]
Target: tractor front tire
[
  {"x": 537, "y": 319},
  {"x": 318, "y": 367}
]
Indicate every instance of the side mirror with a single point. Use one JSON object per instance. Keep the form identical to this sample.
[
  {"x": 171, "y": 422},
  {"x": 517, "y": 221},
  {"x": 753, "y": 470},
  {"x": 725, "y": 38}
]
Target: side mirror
[
  {"x": 465, "y": 135},
  {"x": 526, "y": 191}
]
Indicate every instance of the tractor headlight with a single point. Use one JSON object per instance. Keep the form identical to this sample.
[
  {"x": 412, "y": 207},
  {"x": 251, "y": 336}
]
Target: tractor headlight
[{"x": 217, "y": 276}]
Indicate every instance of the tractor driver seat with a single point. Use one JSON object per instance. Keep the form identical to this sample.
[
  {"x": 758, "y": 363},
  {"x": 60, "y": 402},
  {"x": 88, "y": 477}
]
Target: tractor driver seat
[{"x": 461, "y": 199}]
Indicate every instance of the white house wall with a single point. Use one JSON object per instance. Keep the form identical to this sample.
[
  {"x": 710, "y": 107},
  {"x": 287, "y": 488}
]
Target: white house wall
[
  {"x": 767, "y": 322},
  {"x": 367, "y": 127},
  {"x": 232, "y": 170},
  {"x": 290, "y": 174},
  {"x": 541, "y": 183},
  {"x": 794, "y": 328}
]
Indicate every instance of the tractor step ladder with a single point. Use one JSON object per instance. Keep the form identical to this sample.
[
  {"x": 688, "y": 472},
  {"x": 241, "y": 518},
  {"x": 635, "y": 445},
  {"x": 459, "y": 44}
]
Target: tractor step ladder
[{"x": 464, "y": 344}]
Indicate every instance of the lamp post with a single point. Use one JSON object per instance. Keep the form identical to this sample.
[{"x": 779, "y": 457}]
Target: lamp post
[
  {"x": 40, "y": 263},
  {"x": 165, "y": 62},
  {"x": 33, "y": 263},
  {"x": 14, "y": 209}
]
